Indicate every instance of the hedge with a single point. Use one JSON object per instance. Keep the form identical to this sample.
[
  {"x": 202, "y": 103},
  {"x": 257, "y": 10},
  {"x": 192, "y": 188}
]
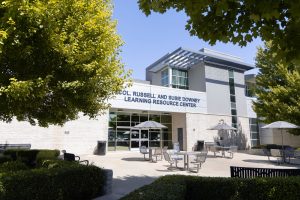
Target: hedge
[
  {"x": 31, "y": 157},
  {"x": 74, "y": 182},
  {"x": 179, "y": 187}
]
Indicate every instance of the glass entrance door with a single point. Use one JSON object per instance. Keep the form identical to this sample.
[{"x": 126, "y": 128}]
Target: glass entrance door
[{"x": 139, "y": 137}]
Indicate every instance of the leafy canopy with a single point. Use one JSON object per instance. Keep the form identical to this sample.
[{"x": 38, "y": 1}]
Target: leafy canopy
[
  {"x": 277, "y": 90},
  {"x": 239, "y": 21},
  {"x": 57, "y": 58}
]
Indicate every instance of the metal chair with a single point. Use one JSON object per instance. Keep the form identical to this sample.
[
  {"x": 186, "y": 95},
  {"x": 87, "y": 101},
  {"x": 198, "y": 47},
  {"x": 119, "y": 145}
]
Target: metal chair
[
  {"x": 277, "y": 153},
  {"x": 171, "y": 160},
  {"x": 200, "y": 159},
  {"x": 157, "y": 153},
  {"x": 72, "y": 157},
  {"x": 144, "y": 151},
  {"x": 215, "y": 150},
  {"x": 267, "y": 153},
  {"x": 232, "y": 150}
]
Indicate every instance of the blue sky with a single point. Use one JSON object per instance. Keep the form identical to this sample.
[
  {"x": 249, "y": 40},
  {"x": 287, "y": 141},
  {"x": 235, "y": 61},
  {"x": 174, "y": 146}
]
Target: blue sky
[{"x": 149, "y": 38}]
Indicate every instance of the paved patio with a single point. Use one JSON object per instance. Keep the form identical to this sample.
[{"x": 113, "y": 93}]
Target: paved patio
[{"x": 131, "y": 171}]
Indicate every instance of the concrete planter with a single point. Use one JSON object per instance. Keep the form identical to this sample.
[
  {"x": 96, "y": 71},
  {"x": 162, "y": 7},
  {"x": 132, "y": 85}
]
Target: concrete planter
[
  {"x": 258, "y": 152},
  {"x": 107, "y": 189}
]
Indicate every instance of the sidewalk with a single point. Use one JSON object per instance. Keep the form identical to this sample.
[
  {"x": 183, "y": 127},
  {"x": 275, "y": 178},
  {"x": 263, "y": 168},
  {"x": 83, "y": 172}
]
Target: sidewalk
[{"x": 131, "y": 171}]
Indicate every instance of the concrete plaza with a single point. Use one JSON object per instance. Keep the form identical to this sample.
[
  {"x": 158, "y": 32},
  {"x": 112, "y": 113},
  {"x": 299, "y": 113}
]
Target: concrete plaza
[{"x": 131, "y": 171}]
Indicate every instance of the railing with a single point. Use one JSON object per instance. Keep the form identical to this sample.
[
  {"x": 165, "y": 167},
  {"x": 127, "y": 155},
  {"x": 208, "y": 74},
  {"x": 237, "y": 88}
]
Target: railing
[{"x": 248, "y": 172}]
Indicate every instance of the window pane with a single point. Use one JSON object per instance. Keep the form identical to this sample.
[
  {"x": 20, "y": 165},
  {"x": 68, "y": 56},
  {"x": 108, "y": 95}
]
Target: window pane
[
  {"x": 232, "y": 98},
  {"x": 154, "y": 118},
  {"x": 143, "y": 117},
  {"x": 231, "y": 74},
  {"x": 123, "y": 116},
  {"x": 112, "y": 116},
  {"x": 233, "y": 112},
  {"x": 166, "y": 119}
]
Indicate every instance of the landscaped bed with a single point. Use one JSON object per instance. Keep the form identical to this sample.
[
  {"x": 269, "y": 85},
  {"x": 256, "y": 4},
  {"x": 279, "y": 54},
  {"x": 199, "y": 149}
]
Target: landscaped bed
[
  {"x": 179, "y": 187},
  {"x": 38, "y": 174}
]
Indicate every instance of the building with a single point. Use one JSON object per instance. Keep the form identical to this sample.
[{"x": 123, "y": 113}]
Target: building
[{"x": 187, "y": 91}]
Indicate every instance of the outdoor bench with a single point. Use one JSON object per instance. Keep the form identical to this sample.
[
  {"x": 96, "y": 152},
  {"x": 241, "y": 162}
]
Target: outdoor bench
[
  {"x": 4, "y": 147},
  {"x": 248, "y": 172}
]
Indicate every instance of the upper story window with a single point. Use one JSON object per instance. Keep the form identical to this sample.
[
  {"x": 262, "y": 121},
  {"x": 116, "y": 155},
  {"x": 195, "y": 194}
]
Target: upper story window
[
  {"x": 180, "y": 79},
  {"x": 165, "y": 77},
  {"x": 249, "y": 89}
]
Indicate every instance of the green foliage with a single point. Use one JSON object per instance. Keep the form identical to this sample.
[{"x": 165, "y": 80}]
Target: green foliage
[
  {"x": 239, "y": 21},
  {"x": 31, "y": 157},
  {"x": 277, "y": 91},
  {"x": 194, "y": 188},
  {"x": 4, "y": 159},
  {"x": 68, "y": 183},
  {"x": 49, "y": 164},
  {"x": 13, "y": 166},
  {"x": 165, "y": 188},
  {"x": 58, "y": 58}
]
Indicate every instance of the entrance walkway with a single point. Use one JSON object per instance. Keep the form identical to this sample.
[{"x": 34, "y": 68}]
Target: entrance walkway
[{"x": 131, "y": 171}]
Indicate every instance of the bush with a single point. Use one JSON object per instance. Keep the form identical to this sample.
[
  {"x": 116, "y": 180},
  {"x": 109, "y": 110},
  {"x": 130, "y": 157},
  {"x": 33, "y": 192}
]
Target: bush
[
  {"x": 76, "y": 182},
  {"x": 49, "y": 164},
  {"x": 4, "y": 159},
  {"x": 31, "y": 157},
  {"x": 195, "y": 188},
  {"x": 12, "y": 166}
]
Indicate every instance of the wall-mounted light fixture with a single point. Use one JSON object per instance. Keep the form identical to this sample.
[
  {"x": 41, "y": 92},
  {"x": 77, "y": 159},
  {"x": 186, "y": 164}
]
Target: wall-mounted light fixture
[{"x": 67, "y": 132}]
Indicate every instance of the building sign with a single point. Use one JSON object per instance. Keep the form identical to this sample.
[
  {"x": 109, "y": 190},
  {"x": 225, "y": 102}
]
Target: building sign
[{"x": 157, "y": 98}]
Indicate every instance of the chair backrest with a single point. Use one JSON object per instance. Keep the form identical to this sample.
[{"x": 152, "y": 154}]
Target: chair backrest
[
  {"x": 167, "y": 156},
  {"x": 233, "y": 148},
  {"x": 143, "y": 149},
  {"x": 157, "y": 151},
  {"x": 214, "y": 149},
  {"x": 69, "y": 157},
  {"x": 276, "y": 152},
  {"x": 267, "y": 152},
  {"x": 165, "y": 148},
  {"x": 201, "y": 157},
  {"x": 176, "y": 147}
]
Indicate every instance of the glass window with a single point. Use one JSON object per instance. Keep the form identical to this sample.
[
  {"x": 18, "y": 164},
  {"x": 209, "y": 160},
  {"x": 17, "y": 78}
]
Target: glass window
[
  {"x": 143, "y": 117},
  {"x": 166, "y": 119},
  {"x": 231, "y": 73},
  {"x": 179, "y": 79},
  {"x": 121, "y": 116},
  {"x": 233, "y": 112},
  {"x": 154, "y": 118},
  {"x": 232, "y": 98},
  {"x": 112, "y": 116},
  {"x": 165, "y": 77}
]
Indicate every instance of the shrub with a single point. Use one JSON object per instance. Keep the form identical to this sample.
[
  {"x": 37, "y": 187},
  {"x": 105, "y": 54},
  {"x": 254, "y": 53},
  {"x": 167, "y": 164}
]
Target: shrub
[
  {"x": 166, "y": 188},
  {"x": 196, "y": 188},
  {"x": 76, "y": 182},
  {"x": 31, "y": 157},
  {"x": 12, "y": 166},
  {"x": 49, "y": 164},
  {"x": 4, "y": 159}
]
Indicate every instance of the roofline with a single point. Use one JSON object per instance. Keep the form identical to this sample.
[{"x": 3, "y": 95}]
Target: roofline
[{"x": 205, "y": 55}]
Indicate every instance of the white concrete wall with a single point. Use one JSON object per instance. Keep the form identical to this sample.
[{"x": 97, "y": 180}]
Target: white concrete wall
[
  {"x": 249, "y": 105},
  {"x": 275, "y": 134},
  {"x": 218, "y": 96},
  {"x": 197, "y": 128},
  {"x": 82, "y": 136},
  {"x": 196, "y": 76},
  {"x": 241, "y": 105}
]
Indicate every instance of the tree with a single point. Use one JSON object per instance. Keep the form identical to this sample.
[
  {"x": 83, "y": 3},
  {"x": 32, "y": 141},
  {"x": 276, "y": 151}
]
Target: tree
[
  {"x": 57, "y": 58},
  {"x": 278, "y": 88},
  {"x": 239, "y": 21}
]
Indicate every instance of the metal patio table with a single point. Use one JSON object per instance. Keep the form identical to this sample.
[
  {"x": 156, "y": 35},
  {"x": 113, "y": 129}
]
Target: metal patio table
[{"x": 186, "y": 155}]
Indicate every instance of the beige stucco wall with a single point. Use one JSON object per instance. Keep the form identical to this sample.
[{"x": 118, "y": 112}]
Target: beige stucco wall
[
  {"x": 79, "y": 136},
  {"x": 179, "y": 121}
]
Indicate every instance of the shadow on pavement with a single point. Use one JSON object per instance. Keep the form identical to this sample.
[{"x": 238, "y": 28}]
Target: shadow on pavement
[{"x": 124, "y": 185}]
